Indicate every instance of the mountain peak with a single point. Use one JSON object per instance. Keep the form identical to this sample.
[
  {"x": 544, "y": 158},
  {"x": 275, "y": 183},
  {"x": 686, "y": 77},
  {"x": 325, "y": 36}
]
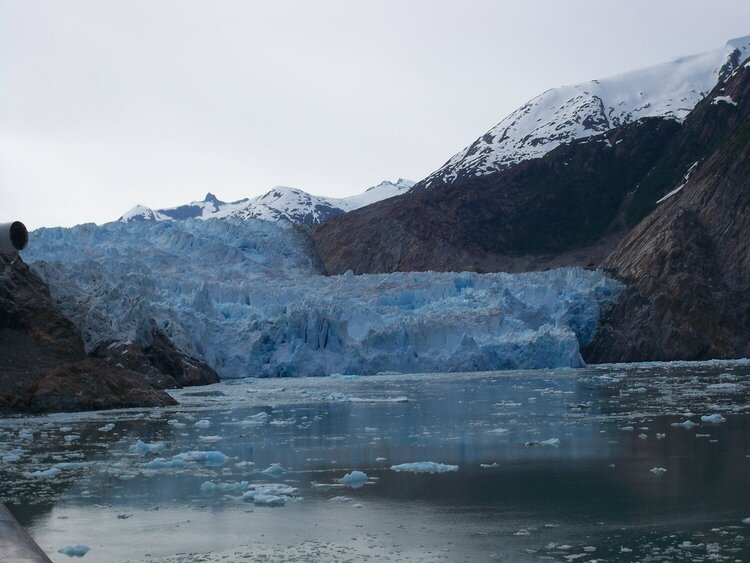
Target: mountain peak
[
  {"x": 211, "y": 198},
  {"x": 562, "y": 115}
]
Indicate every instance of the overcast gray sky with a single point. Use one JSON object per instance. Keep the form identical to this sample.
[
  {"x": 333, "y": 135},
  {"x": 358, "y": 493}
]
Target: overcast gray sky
[{"x": 106, "y": 104}]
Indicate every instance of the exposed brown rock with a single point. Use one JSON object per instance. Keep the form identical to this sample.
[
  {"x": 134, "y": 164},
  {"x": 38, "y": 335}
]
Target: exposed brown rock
[
  {"x": 567, "y": 208},
  {"x": 687, "y": 264},
  {"x": 43, "y": 367}
]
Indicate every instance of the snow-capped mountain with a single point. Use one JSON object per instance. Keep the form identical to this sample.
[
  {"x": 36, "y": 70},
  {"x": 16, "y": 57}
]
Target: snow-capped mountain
[
  {"x": 561, "y": 115},
  {"x": 280, "y": 203}
]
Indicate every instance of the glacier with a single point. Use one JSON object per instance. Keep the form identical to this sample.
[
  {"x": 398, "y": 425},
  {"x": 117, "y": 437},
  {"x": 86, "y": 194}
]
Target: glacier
[{"x": 249, "y": 298}]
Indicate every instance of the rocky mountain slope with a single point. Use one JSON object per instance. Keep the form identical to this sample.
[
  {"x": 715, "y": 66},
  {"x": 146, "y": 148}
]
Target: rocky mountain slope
[
  {"x": 280, "y": 203},
  {"x": 43, "y": 366},
  {"x": 687, "y": 264},
  {"x": 563, "y": 115},
  {"x": 522, "y": 198}
]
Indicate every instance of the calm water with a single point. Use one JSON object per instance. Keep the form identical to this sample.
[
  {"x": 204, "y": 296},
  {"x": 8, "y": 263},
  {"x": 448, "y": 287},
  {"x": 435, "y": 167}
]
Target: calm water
[{"x": 553, "y": 465}]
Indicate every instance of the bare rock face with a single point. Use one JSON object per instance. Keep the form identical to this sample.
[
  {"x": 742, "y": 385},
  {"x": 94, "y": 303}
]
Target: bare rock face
[
  {"x": 158, "y": 360},
  {"x": 43, "y": 367},
  {"x": 687, "y": 264},
  {"x": 568, "y": 208}
]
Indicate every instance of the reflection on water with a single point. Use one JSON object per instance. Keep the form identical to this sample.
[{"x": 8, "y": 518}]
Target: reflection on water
[{"x": 552, "y": 465}]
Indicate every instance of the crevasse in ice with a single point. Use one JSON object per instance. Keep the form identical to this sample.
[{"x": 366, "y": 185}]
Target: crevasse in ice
[{"x": 248, "y": 297}]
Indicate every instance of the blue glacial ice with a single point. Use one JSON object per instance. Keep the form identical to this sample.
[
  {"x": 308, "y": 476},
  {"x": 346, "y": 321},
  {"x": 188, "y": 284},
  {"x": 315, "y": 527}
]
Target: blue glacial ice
[{"x": 249, "y": 298}]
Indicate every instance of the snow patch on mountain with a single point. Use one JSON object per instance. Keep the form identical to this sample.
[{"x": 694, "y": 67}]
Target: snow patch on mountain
[
  {"x": 280, "y": 203},
  {"x": 248, "y": 298},
  {"x": 564, "y": 114}
]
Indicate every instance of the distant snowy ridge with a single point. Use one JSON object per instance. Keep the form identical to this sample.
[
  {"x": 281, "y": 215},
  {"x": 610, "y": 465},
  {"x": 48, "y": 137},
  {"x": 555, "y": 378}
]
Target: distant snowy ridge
[
  {"x": 248, "y": 298},
  {"x": 280, "y": 203},
  {"x": 564, "y": 114}
]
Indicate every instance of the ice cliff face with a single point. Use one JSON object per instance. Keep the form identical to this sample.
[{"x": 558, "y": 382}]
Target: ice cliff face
[
  {"x": 561, "y": 115},
  {"x": 248, "y": 298},
  {"x": 280, "y": 203}
]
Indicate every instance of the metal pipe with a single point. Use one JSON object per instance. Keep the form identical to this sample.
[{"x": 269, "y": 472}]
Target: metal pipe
[
  {"x": 17, "y": 546},
  {"x": 13, "y": 236}
]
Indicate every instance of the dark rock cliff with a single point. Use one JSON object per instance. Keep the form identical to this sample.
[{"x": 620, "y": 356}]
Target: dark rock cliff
[
  {"x": 687, "y": 264},
  {"x": 43, "y": 366},
  {"x": 567, "y": 208}
]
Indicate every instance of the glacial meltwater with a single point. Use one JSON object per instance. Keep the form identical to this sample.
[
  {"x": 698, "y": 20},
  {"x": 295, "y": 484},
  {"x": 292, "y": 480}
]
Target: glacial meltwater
[{"x": 643, "y": 462}]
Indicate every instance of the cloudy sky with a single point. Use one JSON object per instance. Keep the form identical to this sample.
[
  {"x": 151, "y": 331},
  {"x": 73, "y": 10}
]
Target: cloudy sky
[{"x": 106, "y": 104}]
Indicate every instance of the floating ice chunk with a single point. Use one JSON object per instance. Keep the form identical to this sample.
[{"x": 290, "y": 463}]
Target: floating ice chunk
[
  {"x": 626, "y": 428},
  {"x": 658, "y": 470},
  {"x": 713, "y": 419},
  {"x": 161, "y": 463},
  {"x": 210, "y": 438},
  {"x": 72, "y": 464},
  {"x": 51, "y": 472},
  {"x": 660, "y": 435},
  {"x": 381, "y": 459},
  {"x": 746, "y": 520},
  {"x": 642, "y": 436},
  {"x": 337, "y": 396},
  {"x": 522, "y": 532},
  {"x": 261, "y": 416},
  {"x": 553, "y": 442},
  {"x": 341, "y": 499},
  {"x": 489, "y": 465},
  {"x": 269, "y": 494},
  {"x": 269, "y": 500},
  {"x": 688, "y": 424},
  {"x": 208, "y": 457},
  {"x": 424, "y": 467},
  {"x": 498, "y": 431},
  {"x": 378, "y": 400},
  {"x": 26, "y": 434},
  {"x": 174, "y": 423},
  {"x": 202, "y": 423},
  {"x": 725, "y": 387},
  {"x": 274, "y": 470},
  {"x": 75, "y": 550},
  {"x": 245, "y": 465},
  {"x": 211, "y": 488},
  {"x": 72, "y": 438},
  {"x": 355, "y": 479},
  {"x": 106, "y": 428},
  {"x": 142, "y": 448}
]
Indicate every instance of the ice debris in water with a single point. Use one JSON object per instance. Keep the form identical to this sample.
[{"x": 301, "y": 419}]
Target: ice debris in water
[
  {"x": 106, "y": 428},
  {"x": 688, "y": 424},
  {"x": 209, "y": 457},
  {"x": 142, "y": 448},
  {"x": 276, "y": 314},
  {"x": 355, "y": 479},
  {"x": 42, "y": 474},
  {"x": 263, "y": 494},
  {"x": 553, "y": 442},
  {"x": 713, "y": 419},
  {"x": 211, "y": 488},
  {"x": 202, "y": 423},
  {"x": 424, "y": 467},
  {"x": 161, "y": 463},
  {"x": 274, "y": 470},
  {"x": 75, "y": 550},
  {"x": 658, "y": 470}
]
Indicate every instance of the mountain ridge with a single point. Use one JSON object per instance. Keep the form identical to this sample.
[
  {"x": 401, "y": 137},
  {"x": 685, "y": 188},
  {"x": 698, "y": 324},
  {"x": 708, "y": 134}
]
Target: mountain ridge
[{"x": 279, "y": 203}]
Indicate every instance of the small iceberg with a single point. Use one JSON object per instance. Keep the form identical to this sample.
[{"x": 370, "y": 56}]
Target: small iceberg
[
  {"x": 424, "y": 467},
  {"x": 75, "y": 550},
  {"x": 355, "y": 479}
]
